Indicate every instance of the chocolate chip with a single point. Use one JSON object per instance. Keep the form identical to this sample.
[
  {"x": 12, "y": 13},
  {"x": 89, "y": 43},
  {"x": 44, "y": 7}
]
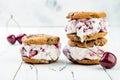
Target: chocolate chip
[
  {"x": 72, "y": 14},
  {"x": 76, "y": 44},
  {"x": 88, "y": 36},
  {"x": 93, "y": 16},
  {"x": 49, "y": 40},
  {"x": 95, "y": 43}
]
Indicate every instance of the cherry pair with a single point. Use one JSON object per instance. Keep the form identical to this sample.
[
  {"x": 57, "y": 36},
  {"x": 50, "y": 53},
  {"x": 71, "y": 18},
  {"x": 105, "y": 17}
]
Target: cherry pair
[{"x": 12, "y": 39}]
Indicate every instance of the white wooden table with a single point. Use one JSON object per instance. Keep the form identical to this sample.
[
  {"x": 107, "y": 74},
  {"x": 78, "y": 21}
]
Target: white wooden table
[{"x": 63, "y": 69}]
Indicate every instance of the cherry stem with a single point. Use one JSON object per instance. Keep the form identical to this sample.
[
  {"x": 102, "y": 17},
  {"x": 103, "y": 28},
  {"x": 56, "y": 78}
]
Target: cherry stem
[
  {"x": 91, "y": 50},
  {"x": 107, "y": 73},
  {"x": 12, "y": 18},
  {"x": 17, "y": 70}
]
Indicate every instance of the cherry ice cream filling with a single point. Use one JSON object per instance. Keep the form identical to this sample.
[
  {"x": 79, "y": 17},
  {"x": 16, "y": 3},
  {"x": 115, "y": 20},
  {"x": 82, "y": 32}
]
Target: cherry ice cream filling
[
  {"x": 77, "y": 53},
  {"x": 48, "y": 52},
  {"x": 88, "y": 26}
]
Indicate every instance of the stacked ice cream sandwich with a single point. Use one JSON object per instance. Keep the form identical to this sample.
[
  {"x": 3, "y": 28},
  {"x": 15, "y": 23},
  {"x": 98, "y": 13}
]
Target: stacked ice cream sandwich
[{"x": 85, "y": 31}]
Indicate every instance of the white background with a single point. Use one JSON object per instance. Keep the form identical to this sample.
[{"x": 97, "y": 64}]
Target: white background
[
  {"x": 41, "y": 13},
  {"x": 53, "y": 12}
]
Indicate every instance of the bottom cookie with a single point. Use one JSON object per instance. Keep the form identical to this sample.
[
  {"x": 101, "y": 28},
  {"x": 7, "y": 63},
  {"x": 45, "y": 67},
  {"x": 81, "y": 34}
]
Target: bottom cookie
[
  {"x": 37, "y": 61},
  {"x": 85, "y": 61}
]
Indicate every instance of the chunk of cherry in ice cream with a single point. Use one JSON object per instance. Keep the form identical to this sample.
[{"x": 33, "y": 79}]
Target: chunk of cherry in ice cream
[
  {"x": 67, "y": 54},
  {"x": 33, "y": 53},
  {"x": 12, "y": 39},
  {"x": 57, "y": 46}
]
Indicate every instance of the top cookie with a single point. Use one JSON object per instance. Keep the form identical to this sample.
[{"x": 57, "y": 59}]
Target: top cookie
[
  {"x": 40, "y": 39},
  {"x": 80, "y": 15}
]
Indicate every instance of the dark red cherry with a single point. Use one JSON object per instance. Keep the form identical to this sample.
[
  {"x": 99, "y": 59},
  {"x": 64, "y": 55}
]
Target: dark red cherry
[
  {"x": 11, "y": 39},
  {"x": 33, "y": 53},
  {"x": 19, "y": 38},
  {"x": 108, "y": 60}
]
